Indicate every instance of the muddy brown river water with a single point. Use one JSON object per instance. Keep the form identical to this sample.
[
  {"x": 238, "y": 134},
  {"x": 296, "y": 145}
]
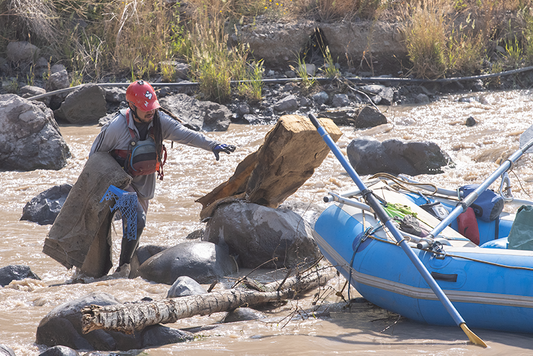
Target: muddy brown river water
[{"x": 299, "y": 327}]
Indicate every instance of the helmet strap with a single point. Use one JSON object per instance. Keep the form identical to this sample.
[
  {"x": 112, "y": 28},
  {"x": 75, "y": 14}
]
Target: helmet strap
[{"x": 133, "y": 109}]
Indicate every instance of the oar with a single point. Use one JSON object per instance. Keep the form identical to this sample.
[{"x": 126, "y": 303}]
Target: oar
[
  {"x": 382, "y": 215},
  {"x": 526, "y": 142}
]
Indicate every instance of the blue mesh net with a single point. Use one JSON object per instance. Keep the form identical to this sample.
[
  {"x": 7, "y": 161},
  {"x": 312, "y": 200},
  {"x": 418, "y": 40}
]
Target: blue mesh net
[{"x": 126, "y": 203}]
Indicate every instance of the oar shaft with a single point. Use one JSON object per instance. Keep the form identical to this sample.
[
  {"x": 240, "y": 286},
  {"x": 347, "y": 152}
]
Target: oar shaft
[
  {"x": 382, "y": 215},
  {"x": 333, "y": 146},
  {"x": 471, "y": 198}
]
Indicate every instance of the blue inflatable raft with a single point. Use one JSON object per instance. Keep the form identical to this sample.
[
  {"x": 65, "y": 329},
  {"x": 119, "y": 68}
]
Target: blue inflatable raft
[{"x": 492, "y": 288}]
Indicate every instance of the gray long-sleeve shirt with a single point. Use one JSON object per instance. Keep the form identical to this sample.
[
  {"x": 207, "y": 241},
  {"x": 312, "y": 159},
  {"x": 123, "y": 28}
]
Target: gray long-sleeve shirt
[{"x": 116, "y": 136}]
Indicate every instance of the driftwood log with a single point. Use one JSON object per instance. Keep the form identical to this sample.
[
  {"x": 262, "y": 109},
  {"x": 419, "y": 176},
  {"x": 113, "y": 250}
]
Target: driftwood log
[{"x": 131, "y": 317}]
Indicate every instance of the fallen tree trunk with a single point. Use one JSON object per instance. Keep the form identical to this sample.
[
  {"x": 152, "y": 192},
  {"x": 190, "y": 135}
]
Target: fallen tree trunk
[{"x": 131, "y": 317}]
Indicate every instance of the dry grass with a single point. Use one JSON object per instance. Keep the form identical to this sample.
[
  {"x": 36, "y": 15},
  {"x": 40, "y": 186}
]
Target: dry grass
[
  {"x": 213, "y": 63},
  {"x": 426, "y": 39},
  {"x": 98, "y": 38},
  {"x": 36, "y": 16},
  {"x": 454, "y": 37}
]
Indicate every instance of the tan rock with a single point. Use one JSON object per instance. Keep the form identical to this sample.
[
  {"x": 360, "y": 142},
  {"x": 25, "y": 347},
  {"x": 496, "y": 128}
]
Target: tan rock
[{"x": 288, "y": 157}]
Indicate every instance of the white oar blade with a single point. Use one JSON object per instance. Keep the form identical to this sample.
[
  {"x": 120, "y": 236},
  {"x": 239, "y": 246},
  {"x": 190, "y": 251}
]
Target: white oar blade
[{"x": 525, "y": 138}]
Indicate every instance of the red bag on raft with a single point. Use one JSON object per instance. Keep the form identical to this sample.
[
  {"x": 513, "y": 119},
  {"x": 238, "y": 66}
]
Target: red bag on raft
[{"x": 467, "y": 225}]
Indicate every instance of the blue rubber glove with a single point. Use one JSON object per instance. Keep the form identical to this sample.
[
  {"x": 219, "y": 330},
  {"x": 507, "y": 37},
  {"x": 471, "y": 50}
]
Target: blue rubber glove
[{"x": 222, "y": 148}]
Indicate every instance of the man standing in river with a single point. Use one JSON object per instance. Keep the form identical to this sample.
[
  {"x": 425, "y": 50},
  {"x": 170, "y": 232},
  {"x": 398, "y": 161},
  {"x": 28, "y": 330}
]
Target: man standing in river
[{"x": 135, "y": 139}]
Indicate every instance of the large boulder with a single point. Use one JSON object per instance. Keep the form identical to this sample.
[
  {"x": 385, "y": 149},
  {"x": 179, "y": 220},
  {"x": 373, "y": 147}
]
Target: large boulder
[
  {"x": 62, "y": 326},
  {"x": 202, "y": 261},
  {"x": 30, "y": 136},
  {"x": 85, "y": 105},
  {"x": 15, "y": 273},
  {"x": 275, "y": 42},
  {"x": 44, "y": 208},
  {"x": 198, "y": 115},
  {"x": 22, "y": 51},
  {"x": 257, "y": 234},
  {"x": 369, "y": 156}
]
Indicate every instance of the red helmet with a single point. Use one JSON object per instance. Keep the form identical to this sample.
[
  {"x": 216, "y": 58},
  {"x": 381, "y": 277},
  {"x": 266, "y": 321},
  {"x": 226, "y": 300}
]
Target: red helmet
[{"x": 142, "y": 95}]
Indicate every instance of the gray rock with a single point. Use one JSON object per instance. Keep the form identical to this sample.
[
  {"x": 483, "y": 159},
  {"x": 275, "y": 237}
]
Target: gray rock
[
  {"x": 276, "y": 44},
  {"x": 185, "y": 286},
  {"x": 22, "y": 51},
  {"x": 376, "y": 99},
  {"x": 114, "y": 94},
  {"x": 287, "y": 87},
  {"x": 342, "y": 116},
  {"x": 257, "y": 234},
  {"x": 242, "y": 314},
  {"x": 369, "y": 116},
  {"x": 161, "y": 335},
  {"x": 62, "y": 326},
  {"x": 41, "y": 67},
  {"x": 320, "y": 98},
  {"x": 58, "y": 80},
  {"x": 340, "y": 100},
  {"x": 44, "y": 208},
  {"x": 287, "y": 104},
  {"x": 198, "y": 115},
  {"x": 60, "y": 351},
  {"x": 15, "y": 273},
  {"x": 372, "y": 88},
  {"x": 202, "y": 261},
  {"x": 57, "y": 68},
  {"x": 29, "y": 91},
  {"x": 310, "y": 69},
  {"x": 290, "y": 74},
  {"x": 106, "y": 119},
  {"x": 182, "y": 70},
  {"x": 422, "y": 99},
  {"x": 146, "y": 251},
  {"x": 242, "y": 109},
  {"x": 141, "y": 255},
  {"x": 6, "y": 350},
  {"x": 470, "y": 121},
  {"x": 253, "y": 119},
  {"x": 380, "y": 94},
  {"x": 304, "y": 102},
  {"x": 30, "y": 136},
  {"x": 85, "y": 105},
  {"x": 369, "y": 156}
]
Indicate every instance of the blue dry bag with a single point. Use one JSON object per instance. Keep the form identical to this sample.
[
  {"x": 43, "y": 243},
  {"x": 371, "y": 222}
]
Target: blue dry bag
[{"x": 487, "y": 206}]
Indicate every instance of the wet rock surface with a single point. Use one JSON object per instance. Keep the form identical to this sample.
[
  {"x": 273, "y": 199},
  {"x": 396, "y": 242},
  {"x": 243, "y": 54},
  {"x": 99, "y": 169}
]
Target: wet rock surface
[{"x": 62, "y": 326}]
